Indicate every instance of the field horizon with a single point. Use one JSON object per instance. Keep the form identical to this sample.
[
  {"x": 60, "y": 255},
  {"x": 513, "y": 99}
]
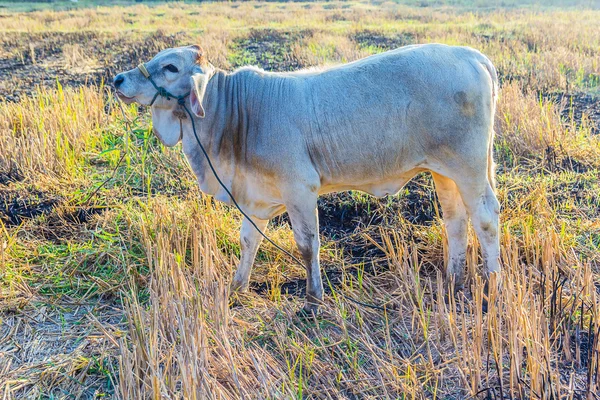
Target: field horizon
[{"x": 115, "y": 268}]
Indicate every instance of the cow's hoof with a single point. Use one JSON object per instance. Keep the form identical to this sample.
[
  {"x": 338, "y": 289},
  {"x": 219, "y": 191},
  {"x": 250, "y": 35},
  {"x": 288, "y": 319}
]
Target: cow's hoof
[
  {"x": 453, "y": 291},
  {"x": 459, "y": 287},
  {"x": 453, "y": 286},
  {"x": 308, "y": 312},
  {"x": 484, "y": 305},
  {"x": 493, "y": 281},
  {"x": 238, "y": 287}
]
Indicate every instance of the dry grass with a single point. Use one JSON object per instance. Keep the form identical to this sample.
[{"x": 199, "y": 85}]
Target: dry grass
[
  {"x": 189, "y": 342},
  {"x": 528, "y": 124},
  {"x": 114, "y": 269},
  {"x": 49, "y": 133}
]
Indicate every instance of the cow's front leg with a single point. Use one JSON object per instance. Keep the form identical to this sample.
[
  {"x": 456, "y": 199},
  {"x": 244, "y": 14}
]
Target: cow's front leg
[
  {"x": 305, "y": 224},
  {"x": 250, "y": 239}
]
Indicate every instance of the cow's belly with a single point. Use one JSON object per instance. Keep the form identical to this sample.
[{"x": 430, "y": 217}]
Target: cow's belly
[{"x": 377, "y": 188}]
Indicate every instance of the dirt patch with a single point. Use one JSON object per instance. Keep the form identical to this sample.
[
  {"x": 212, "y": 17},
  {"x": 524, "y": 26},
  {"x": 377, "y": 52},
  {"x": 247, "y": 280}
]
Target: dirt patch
[
  {"x": 382, "y": 41},
  {"x": 47, "y": 347},
  {"x": 83, "y": 215},
  {"x": 576, "y": 198},
  {"x": 556, "y": 161},
  {"x": 16, "y": 206},
  {"x": 268, "y": 49},
  {"x": 60, "y": 223},
  {"x": 131, "y": 52},
  {"x": 28, "y": 60},
  {"x": 342, "y": 214},
  {"x": 578, "y": 107},
  {"x": 61, "y": 226},
  {"x": 39, "y": 59},
  {"x": 13, "y": 174}
]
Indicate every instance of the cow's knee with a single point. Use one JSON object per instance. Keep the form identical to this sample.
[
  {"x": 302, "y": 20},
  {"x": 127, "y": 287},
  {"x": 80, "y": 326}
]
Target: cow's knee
[{"x": 488, "y": 214}]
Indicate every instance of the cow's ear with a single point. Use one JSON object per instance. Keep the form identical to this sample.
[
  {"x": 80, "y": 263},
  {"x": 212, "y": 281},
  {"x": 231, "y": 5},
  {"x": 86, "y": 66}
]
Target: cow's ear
[{"x": 199, "y": 83}]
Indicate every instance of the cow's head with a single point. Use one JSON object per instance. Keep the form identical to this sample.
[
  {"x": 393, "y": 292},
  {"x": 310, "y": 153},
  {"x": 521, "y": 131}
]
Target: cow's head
[{"x": 179, "y": 71}]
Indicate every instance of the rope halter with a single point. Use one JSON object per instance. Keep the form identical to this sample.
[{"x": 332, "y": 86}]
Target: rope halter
[{"x": 161, "y": 91}]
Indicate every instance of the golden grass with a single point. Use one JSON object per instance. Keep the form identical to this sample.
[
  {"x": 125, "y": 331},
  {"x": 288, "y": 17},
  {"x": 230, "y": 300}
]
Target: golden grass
[
  {"x": 48, "y": 134},
  {"x": 190, "y": 343},
  {"x": 531, "y": 125},
  {"x": 132, "y": 300}
]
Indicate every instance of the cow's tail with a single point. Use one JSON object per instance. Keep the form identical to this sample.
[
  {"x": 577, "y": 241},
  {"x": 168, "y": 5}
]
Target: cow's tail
[
  {"x": 495, "y": 88},
  {"x": 490, "y": 162}
]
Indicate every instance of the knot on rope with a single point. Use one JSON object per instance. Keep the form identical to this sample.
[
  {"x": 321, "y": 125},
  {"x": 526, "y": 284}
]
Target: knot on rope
[
  {"x": 163, "y": 92},
  {"x": 181, "y": 101}
]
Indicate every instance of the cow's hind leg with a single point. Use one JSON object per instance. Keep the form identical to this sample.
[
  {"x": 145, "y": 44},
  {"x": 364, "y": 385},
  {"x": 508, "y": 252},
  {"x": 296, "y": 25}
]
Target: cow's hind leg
[
  {"x": 250, "y": 239},
  {"x": 484, "y": 209},
  {"x": 456, "y": 223}
]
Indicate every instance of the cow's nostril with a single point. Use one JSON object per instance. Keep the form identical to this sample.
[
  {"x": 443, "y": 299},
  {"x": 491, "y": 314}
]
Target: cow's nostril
[{"x": 118, "y": 80}]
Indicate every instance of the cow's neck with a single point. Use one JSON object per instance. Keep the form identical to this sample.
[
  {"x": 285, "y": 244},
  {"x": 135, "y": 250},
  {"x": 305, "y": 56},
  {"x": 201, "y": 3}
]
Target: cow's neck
[{"x": 220, "y": 132}]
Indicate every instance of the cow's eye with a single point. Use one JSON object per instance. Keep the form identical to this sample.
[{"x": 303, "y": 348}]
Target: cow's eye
[{"x": 171, "y": 68}]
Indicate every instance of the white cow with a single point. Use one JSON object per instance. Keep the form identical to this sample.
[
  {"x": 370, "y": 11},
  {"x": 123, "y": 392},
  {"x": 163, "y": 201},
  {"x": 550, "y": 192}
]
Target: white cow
[{"x": 279, "y": 140}]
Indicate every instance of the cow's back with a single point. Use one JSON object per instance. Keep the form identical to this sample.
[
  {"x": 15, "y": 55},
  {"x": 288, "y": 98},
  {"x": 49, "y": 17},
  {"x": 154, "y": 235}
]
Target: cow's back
[{"x": 388, "y": 113}]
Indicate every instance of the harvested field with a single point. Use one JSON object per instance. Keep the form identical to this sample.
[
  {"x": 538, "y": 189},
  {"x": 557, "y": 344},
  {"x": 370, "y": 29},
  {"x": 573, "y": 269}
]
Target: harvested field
[{"x": 114, "y": 268}]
